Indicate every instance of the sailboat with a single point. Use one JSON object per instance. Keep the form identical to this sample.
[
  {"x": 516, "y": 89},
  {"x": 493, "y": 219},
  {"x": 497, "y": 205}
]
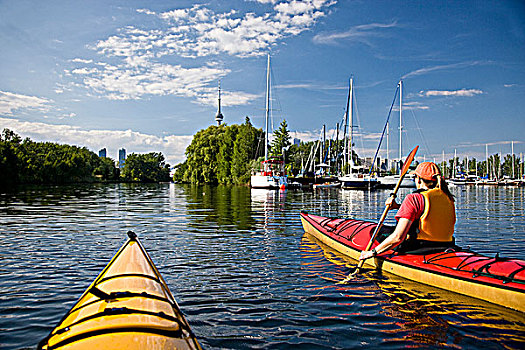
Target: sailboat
[
  {"x": 271, "y": 173},
  {"x": 390, "y": 181},
  {"x": 355, "y": 179}
]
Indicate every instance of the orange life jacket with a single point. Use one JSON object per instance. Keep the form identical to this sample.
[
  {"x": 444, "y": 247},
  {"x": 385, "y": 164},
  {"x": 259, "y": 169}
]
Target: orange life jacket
[{"x": 438, "y": 219}]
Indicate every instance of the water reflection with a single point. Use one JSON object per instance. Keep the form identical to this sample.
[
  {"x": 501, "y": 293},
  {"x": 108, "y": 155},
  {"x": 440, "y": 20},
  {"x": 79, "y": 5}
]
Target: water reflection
[
  {"x": 213, "y": 204},
  {"x": 412, "y": 312},
  {"x": 240, "y": 267}
]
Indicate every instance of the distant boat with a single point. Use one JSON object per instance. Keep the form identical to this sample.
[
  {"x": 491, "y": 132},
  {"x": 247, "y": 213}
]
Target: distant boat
[
  {"x": 457, "y": 181},
  {"x": 354, "y": 180},
  {"x": 327, "y": 185},
  {"x": 390, "y": 181},
  {"x": 358, "y": 182},
  {"x": 487, "y": 182},
  {"x": 272, "y": 173}
]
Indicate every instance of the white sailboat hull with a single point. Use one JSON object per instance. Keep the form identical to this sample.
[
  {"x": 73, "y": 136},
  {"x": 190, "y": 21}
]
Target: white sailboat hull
[
  {"x": 268, "y": 181},
  {"x": 355, "y": 182},
  {"x": 391, "y": 181}
]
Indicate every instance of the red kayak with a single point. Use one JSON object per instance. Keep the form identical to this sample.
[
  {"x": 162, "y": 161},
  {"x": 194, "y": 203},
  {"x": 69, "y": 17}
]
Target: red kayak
[{"x": 494, "y": 279}]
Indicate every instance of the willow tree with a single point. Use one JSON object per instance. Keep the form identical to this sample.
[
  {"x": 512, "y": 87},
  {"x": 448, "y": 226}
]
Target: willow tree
[
  {"x": 201, "y": 162},
  {"x": 219, "y": 155}
]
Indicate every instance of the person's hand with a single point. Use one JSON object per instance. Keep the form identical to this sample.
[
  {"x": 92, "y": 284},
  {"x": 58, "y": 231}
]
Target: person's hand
[
  {"x": 366, "y": 255},
  {"x": 391, "y": 202}
]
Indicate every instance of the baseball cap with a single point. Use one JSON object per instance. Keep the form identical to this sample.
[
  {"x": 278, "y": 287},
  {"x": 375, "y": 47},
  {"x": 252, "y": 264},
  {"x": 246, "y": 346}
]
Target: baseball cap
[{"x": 427, "y": 171}]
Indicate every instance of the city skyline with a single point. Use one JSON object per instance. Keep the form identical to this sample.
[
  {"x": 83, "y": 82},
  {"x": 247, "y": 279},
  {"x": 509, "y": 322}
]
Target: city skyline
[{"x": 143, "y": 76}]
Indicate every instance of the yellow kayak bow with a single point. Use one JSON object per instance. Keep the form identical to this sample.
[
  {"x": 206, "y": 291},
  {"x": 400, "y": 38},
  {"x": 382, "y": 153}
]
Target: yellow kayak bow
[{"x": 128, "y": 306}]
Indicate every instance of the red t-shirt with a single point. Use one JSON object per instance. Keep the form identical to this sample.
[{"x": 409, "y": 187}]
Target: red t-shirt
[{"x": 412, "y": 208}]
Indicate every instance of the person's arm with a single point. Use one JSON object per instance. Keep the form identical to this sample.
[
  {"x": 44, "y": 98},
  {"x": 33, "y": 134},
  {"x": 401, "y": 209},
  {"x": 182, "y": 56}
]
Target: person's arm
[
  {"x": 391, "y": 201},
  {"x": 395, "y": 238}
]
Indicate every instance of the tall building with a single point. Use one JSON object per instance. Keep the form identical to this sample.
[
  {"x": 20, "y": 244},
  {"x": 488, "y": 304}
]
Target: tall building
[
  {"x": 219, "y": 117},
  {"x": 102, "y": 153},
  {"x": 121, "y": 157}
]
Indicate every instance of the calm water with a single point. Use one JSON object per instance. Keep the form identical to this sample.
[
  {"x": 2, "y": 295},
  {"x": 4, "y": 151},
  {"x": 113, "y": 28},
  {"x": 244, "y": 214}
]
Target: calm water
[{"x": 242, "y": 269}]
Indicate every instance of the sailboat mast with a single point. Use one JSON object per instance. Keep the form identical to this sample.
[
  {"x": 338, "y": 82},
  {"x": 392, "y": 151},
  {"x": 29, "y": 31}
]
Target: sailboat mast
[
  {"x": 512, "y": 151},
  {"x": 487, "y": 157},
  {"x": 444, "y": 170},
  {"x": 345, "y": 142},
  {"x": 387, "y": 146},
  {"x": 267, "y": 108},
  {"x": 321, "y": 149},
  {"x": 324, "y": 144},
  {"x": 351, "y": 122},
  {"x": 400, "y": 120},
  {"x": 455, "y": 163},
  {"x": 337, "y": 149}
]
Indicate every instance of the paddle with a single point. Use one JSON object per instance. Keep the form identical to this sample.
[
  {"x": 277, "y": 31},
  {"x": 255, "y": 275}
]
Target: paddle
[{"x": 404, "y": 170}]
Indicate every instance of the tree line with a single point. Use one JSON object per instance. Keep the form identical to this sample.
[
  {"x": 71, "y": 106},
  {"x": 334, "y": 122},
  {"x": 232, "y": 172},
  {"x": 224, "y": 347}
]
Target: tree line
[
  {"x": 29, "y": 162},
  {"x": 494, "y": 167},
  {"x": 229, "y": 154}
]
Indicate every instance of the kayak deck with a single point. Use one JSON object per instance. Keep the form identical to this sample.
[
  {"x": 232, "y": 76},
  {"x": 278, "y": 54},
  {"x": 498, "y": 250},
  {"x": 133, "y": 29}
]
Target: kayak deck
[
  {"x": 494, "y": 279},
  {"x": 128, "y": 306}
]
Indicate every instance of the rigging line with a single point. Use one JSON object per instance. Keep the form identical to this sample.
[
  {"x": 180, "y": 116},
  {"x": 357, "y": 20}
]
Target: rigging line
[
  {"x": 359, "y": 130},
  {"x": 384, "y": 129},
  {"x": 274, "y": 97},
  {"x": 420, "y": 132}
]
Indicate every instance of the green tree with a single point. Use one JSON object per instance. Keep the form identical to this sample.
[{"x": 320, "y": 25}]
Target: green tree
[
  {"x": 201, "y": 156},
  {"x": 281, "y": 140},
  {"x": 219, "y": 155},
  {"x": 297, "y": 156},
  {"x": 226, "y": 153},
  {"x": 9, "y": 163},
  {"x": 106, "y": 169},
  {"x": 511, "y": 165},
  {"x": 245, "y": 152},
  {"x": 149, "y": 167}
]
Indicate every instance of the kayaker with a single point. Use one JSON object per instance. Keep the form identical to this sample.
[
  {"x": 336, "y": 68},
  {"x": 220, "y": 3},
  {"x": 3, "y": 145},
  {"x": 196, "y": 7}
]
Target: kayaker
[{"x": 425, "y": 218}]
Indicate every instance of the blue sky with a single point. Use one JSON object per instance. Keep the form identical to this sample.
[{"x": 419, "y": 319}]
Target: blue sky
[{"x": 143, "y": 75}]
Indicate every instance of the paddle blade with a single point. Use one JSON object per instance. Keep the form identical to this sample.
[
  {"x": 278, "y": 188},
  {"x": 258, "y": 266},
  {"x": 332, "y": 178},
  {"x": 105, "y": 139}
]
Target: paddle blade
[
  {"x": 354, "y": 274},
  {"x": 409, "y": 160}
]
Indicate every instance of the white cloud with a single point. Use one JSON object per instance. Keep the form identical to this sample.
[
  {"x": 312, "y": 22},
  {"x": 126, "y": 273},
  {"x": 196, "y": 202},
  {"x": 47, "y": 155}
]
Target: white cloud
[
  {"x": 461, "y": 92},
  {"x": 266, "y": 1},
  {"x": 310, "y": 86},
  {"x": 423, "y": 71},
  {"x": 146, "y": 11},
  {"x": 171, "y": 146},
  {"x": 411, "y": 106},
  {"x": 10, "y": 102},
  {"x": 305, "y": 136},
  {"x": 137, "y": 70},
  {"x": 137, "y": 78},
  {"x": 67, "y": 116},
  {"x": 228, "y": 98},
  {"x": 198, "y": 31},
  {"x": 81, "y": 60},
  {"x": 84, "y": 71},
  {"x": 361, "y": 33}
]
